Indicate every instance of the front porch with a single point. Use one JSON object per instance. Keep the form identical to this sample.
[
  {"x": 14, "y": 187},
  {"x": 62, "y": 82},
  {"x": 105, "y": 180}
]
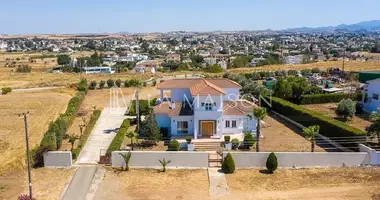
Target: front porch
[{"x": 205, "y": 139}]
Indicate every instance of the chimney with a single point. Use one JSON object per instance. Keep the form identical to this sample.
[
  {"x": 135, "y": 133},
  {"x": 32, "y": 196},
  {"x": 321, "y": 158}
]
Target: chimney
[{"x": 172, "y": 105}]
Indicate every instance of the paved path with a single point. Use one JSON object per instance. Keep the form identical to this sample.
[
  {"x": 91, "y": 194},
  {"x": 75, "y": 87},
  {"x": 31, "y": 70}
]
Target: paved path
[
  {"x": 102, "y": 135},
  {"x": 80, "y": 184},
  {"x": 218, "y": 183}
]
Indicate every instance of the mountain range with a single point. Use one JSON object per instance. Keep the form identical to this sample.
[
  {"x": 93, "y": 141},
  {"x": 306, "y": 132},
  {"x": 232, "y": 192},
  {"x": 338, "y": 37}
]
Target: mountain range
[{"x": 373, "y": 25}]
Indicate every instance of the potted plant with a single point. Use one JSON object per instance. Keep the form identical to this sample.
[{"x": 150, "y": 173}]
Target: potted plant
[
  {"x": 190, "y": 147},
  {"x": 227, "y": 143},
  {"x": 235, "y": 143}
]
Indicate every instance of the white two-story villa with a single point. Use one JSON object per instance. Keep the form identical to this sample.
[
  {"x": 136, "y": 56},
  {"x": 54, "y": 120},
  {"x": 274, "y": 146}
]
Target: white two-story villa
[{"x": 204, "y": 108}]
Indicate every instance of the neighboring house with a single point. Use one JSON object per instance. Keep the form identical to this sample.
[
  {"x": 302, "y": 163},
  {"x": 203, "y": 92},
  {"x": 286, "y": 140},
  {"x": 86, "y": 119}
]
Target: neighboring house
[
  {"x": 98, "y": 70},
  {"x": 173, "y": 58},
  {"x": 371, "y": 97},
  {"x": 204, "y": 108},
  {"x": 146, "y": 66}
]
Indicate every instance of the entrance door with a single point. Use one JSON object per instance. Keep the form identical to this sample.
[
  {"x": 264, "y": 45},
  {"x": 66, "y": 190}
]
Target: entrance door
[{"x": 207, "y": 128}]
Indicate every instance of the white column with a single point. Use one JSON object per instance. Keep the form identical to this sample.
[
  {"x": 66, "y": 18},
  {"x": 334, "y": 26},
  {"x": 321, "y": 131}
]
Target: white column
[
  {"x": 195, "y": 128},
  {"x": 162, "y": 95}
]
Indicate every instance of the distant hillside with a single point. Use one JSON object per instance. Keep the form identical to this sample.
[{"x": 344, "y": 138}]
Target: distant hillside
[{"x": 367, "y": 25}]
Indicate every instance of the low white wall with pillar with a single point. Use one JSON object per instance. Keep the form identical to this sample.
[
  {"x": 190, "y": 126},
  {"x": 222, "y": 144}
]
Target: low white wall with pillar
[
  {"x": 149, "y": 159},
  {"x": 58, "y": 159},
  {"x": 300, "y": 159},
  {"x": 373, "y": 154}
]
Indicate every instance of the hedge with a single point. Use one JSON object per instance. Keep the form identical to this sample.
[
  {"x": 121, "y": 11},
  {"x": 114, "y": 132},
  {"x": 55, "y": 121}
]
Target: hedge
[
  {"x": 329, "y": 98},
  {"x": 59, "y": 127},
  {"x": 119, "y": 138},
  {"x": 329, "y": 127},
  {"x": 144, "y": 106},
  {"x": 86, "y": 133}
]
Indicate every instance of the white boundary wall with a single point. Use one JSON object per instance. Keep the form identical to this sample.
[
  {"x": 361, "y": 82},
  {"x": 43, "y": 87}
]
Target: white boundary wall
[
  {"x": 373, "y": 154},
  {"x": 58, "y": 159},
  {"x": 300, "y": 159},
  {"x": 149, "y": 159}
]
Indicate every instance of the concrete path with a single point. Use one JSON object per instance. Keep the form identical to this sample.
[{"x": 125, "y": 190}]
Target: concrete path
[
  {"x": 102, "y": 135},
  {"x": 80, "y": 184},
  {"x": 218, "y": 183}
]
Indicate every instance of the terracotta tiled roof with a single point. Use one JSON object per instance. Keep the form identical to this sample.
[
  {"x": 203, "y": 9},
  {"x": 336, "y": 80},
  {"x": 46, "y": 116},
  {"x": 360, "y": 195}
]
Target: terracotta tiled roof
[
  {"x": 205, "y": 88},
  {"x": 181, "y": 109},
  {"x": 200, "y": 86},
  {"x": 239, "y": 107}
]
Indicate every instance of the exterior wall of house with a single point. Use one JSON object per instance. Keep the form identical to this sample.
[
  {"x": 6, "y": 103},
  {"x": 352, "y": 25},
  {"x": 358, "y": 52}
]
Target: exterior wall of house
[
  {"x": 174, "y": 121},
  {"x": 163, "y": 121},
  {"x": 372, "y": 104},
  {"x": 198, "y": 100},
  {"x": 205, "y": 116},
  {"x": 232, "y": 94},
  {"x": 179, "y": 93}
]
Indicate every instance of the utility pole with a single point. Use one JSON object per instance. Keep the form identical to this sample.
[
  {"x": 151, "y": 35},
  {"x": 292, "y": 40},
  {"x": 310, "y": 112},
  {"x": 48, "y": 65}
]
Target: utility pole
[
  {"x": 137, "y": 110},
  {"x": 25, "y": 115},
  {"x": 344, "y": 57}
]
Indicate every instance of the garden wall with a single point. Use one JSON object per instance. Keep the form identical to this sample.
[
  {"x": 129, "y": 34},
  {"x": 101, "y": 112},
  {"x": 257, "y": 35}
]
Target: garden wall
[
  {"x": 149, "y": 159},
  {"x": 57, "y": 159},
  {"x": 373, "y": 154},
  {"x": 300, "y": 159}
]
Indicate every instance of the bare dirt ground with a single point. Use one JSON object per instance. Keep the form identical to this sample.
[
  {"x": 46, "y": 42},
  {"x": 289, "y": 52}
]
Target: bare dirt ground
[
  {"x": 152, "y": 184},
  {"x": 281, "y": 136},
  {"x": 328, "y": 109},
  {"x": 44, "y": 107},
  {"x": 47, "y": 183},
  {"x": 358, "y": 183}
]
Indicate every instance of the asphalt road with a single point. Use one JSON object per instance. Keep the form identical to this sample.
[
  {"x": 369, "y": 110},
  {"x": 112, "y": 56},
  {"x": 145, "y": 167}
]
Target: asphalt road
[{"x": 80, "y": 183}]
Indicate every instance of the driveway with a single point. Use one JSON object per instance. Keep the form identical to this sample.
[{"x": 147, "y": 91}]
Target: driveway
[
  {"x": 80, "y": 183},
  {"x": 102, "y": 135}
]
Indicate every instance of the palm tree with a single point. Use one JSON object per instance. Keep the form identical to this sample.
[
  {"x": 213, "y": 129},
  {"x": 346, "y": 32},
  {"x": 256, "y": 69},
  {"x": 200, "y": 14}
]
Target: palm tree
[
  {"x": 310, "y": 133},
  {"x": 164, "y": 163},
  {"x": 72, "y": 139},
  {"x": 126, "y": 158},
  {"x": 131, "y": 135},
  {"x": 259, "y": 113}
]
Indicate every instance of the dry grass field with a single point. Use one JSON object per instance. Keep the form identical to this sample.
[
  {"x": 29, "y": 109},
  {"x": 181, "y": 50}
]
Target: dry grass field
[
  {"x": 328, "y": 109},
  {"x": 44, "y": 106},
  {"x": 299, "y": 184},
  {"x": 281, "y": 136},
  {"x": 152, "y": 184},
  {"x": 349, "y": 66},
  {"x": 47, "y": 183}
]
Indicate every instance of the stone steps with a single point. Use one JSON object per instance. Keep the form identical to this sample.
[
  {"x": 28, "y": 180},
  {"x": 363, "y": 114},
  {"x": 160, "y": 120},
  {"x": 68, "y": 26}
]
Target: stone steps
[{"x": 207, "y": 146}]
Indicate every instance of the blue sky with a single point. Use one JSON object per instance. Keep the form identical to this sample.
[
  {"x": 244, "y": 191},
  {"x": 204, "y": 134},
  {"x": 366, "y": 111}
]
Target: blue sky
[{"x": 99, "y": 16}]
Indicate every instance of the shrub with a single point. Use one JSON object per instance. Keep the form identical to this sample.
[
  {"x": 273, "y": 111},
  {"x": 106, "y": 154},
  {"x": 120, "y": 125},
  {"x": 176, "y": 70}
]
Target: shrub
[
  {"x": 188, "y": 139},
  {"x": 329, "y": 98},
  {"x": 23, "y": 69},
  {"x": 110, "y": 83},
  {"x": 315, "y": 70},
  {"x": 173, "y": 145},
  {"x": 145, "y": 84},
  {"x": 24, "y": 197},
  {"x": 154, "y": 82},
  {"x": 228, "y": 165},
  {"x": 271, "y": 163},
  {"x": 346, "y": 108},
  {"x": 227, "y": 139},
  {"x": 49, "y": 141},
  {"x": 6, "y": 90},
  {"x": 329, "y": 127},
  {"x": 75, "y": 153},
  {"x": 292, "y": 72},
  {"x": 305, "y": 72},
  {"x": 119, "y": 138},
  {"x": 101, "y": 84},
  {"x": 82, "y": 86},
  {"x": 144, "y": 106},
  {"x": 126, "y": 83},
  {"x": 235, "y": 143},
  {"x": 134, "y": 83},
  {"x": 118, "y": 82},
  {"x": 249, "y": 140},
  {"x": 92, "y": 85},
  {"x": 87, "y": 131}
]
